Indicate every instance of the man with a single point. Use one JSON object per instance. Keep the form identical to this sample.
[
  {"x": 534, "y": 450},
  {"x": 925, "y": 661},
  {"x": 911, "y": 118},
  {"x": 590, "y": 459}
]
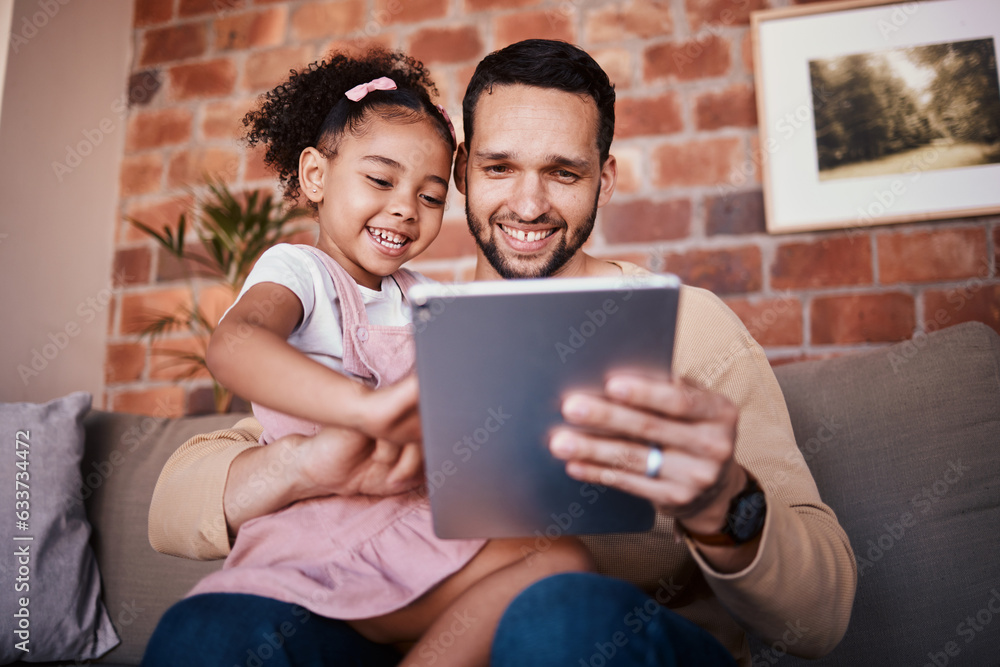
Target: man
[{"x": 742, "y": 540}]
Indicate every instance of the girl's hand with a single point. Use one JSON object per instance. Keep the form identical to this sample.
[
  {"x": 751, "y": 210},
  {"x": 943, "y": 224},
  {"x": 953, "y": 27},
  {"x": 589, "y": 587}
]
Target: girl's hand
[{"x": 392, "y": 412}]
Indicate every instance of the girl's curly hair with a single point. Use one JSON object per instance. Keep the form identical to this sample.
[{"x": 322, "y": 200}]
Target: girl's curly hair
[{"x": 311, "y": 109}]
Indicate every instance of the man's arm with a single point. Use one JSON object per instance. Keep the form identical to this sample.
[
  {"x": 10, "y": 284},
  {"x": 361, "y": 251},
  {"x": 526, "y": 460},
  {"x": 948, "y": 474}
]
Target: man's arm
[
  {"x": 800, "y": 569},
  {"x": 216, "y": 482}
]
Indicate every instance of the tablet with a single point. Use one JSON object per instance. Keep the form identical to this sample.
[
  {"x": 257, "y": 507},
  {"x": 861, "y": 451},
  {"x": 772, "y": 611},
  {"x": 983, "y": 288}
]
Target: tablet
[{"x": 494, "y": 360}]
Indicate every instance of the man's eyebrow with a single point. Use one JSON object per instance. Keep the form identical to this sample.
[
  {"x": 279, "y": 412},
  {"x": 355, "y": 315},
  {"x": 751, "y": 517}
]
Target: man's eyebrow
[{"x": 581, "y": 164}]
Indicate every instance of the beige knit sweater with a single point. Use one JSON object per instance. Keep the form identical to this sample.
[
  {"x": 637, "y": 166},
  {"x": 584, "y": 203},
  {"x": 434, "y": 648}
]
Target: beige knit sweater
[{"x": 799, "y": 589}]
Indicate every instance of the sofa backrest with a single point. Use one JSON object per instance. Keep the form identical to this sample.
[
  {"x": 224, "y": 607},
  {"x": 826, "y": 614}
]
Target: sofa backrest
[
  {"x": 904, "y": 444},
  {"x": 122, "y": 461}
]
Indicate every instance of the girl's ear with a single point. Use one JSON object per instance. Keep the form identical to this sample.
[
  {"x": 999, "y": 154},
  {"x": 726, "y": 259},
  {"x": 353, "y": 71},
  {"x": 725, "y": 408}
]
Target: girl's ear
[{"x": 312, "y": 167}]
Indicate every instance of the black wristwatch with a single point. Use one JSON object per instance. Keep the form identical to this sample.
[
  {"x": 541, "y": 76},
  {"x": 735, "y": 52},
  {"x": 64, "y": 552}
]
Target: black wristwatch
[{"x": 744, "y": 520}]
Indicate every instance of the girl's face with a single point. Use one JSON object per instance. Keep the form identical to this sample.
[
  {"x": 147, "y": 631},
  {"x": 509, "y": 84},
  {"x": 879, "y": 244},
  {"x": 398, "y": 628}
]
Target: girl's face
[{"x": 381, "y": 198}]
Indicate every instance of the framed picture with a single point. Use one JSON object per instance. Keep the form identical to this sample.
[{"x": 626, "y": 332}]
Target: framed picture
[{"x": 875, "y": 112}]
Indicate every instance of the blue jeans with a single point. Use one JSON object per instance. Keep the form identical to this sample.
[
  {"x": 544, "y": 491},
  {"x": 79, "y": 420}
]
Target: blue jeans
[{"x": 569, "y": 620}]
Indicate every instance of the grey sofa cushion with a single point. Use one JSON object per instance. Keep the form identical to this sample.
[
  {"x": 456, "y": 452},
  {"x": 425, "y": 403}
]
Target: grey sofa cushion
[
  {"x": 123, "y": 458},
  {"x": 904, "y": 444}
]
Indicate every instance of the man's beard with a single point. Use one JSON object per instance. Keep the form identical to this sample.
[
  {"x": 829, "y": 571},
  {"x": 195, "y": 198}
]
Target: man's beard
[{"x": 563, "y": 252}]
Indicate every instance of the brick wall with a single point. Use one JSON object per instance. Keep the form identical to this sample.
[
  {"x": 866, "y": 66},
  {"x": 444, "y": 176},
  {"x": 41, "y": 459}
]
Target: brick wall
[{"x": 688, "y": 199}]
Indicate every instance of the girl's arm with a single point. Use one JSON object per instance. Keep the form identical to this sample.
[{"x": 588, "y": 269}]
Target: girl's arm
[{"x": 249, "y": 353}]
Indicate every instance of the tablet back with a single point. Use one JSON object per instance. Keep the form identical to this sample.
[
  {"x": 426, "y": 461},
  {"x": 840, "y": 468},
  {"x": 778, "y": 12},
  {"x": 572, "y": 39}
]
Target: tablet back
[{"x": 494, "y": 360}]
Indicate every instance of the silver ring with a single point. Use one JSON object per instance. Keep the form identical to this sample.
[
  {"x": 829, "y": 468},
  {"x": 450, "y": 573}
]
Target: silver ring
[{"x": 654, "y": 462}]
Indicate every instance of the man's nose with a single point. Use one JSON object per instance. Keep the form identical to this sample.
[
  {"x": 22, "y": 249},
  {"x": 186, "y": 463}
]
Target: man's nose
[{"x": 530, "y": 199}]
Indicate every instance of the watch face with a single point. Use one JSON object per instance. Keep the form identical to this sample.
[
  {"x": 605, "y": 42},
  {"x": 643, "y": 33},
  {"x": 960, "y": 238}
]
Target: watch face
[{"x": 747, "y": 519}]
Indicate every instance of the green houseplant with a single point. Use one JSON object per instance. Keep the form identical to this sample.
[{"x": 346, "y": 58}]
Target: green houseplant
[{"x": 232, "y": 233}]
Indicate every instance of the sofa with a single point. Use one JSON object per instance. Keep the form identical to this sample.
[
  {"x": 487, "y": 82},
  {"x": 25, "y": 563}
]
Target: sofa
[{"x": 903, "y": 441}]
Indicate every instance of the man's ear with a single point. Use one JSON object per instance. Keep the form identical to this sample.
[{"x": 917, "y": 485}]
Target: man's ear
[
  {"x": 461, "y": 163},
  {"x": 609, "y": 176},
  {"x": 312, "y": 167}
]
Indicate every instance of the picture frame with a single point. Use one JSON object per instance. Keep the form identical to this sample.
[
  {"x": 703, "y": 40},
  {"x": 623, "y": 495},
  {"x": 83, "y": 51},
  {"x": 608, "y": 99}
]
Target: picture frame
[{"x": 874, "y": 112}]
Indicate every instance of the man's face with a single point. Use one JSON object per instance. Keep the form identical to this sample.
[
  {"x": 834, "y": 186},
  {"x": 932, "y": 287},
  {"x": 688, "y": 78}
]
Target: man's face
[{"x": 533, "y": 180}]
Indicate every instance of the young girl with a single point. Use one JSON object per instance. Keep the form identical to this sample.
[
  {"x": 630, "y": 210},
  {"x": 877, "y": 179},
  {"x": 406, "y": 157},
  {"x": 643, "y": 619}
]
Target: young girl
[{"x": 320, "y": 336}]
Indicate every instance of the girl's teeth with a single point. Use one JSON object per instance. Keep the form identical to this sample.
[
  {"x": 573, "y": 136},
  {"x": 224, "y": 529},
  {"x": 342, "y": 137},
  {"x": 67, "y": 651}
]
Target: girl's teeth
[{"x": 387, "y": 238}]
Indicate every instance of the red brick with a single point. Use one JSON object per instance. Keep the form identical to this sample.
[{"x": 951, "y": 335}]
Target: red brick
[
  {"x": 131, "y": 267},
  {"x": 738, "y": 213},
  {"x": 454, "y": 240},
  {"x": 222, "y": 120},
  {"x": 472, "y": 6},
  {"x": 169, "y": 268},
  {"x": 156, "y": 214},
  {"x": 720, "y": 13},
  {"x": 124, "y": 363},
  {"x": 167, "y": 363},
  {"x": 408, "y": 11},
  {"x": 218, "y": 7},
  {"x": 550, "y": 24},
  {"x": 641, "y": 116},
  {"x": 155, "y": 129},
  {"x": 139, "y": 310},
  {"x": 617, "y": 63},
  {"x": 360, "y": 42},
  {"x": 644, "y": 220},
  {"x": 638, "y": 18},
  {"x": 700, "y": 58},
  {"x": 254, "y": 168},
  {"x": 972, "y": 301},
  {"x": 251, "y": 29},
  {"x": 720, "y": 270},
  {"x": 861, "y": 318},
  {"x": 214, "y": 300},
  {"x": 705, "y": 162},
  {"x": 161, "y": 45},
  {"x": 630, "y": 168},
  {"x": 746, "y": 53},
  {"x": 446, "y": 45},
  {"x": 158, "y": 402},
  {"x": 266, "y": 69},
  {"x": 772, "y": 322},
  {"x": 151, "y": 12},
  {"x": 189, "y": 167},
  {"x": 996, "y": 246},
  {"x": 141, "y": 173},
  {"x": 827, "y": 263},
  {"x": 734, "y": 106},
  {"x": 212, "y": 78},
  {"x": 326, "y": 19},
  {"x": 930, "y": 256}
]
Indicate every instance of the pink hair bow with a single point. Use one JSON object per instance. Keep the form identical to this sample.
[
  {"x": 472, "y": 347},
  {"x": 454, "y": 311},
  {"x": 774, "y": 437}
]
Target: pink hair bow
[
  {"x": 358, "y": 92},
  {"x": 447, "y": 119}
]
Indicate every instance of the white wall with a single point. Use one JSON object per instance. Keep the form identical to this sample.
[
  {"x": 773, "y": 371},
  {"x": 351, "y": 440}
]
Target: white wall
[{"x": 67, "y": 72}]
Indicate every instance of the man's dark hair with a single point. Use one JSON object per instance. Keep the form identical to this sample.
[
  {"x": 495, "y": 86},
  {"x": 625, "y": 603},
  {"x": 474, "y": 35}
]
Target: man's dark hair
[{"x": 545, "y": 63}]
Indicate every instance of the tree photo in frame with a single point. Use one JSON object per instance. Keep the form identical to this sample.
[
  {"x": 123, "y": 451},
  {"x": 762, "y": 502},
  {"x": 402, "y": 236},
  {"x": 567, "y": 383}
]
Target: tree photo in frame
[{"x": 875, "y": 112}]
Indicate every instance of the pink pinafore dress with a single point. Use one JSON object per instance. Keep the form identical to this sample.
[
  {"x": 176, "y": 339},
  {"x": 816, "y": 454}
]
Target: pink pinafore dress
[{"x": 345, "y": 557}]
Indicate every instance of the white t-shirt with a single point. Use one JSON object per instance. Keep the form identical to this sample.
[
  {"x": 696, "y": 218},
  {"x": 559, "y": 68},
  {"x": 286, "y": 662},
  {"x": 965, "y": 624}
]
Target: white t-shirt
[{"x": 320, "y": 334}]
